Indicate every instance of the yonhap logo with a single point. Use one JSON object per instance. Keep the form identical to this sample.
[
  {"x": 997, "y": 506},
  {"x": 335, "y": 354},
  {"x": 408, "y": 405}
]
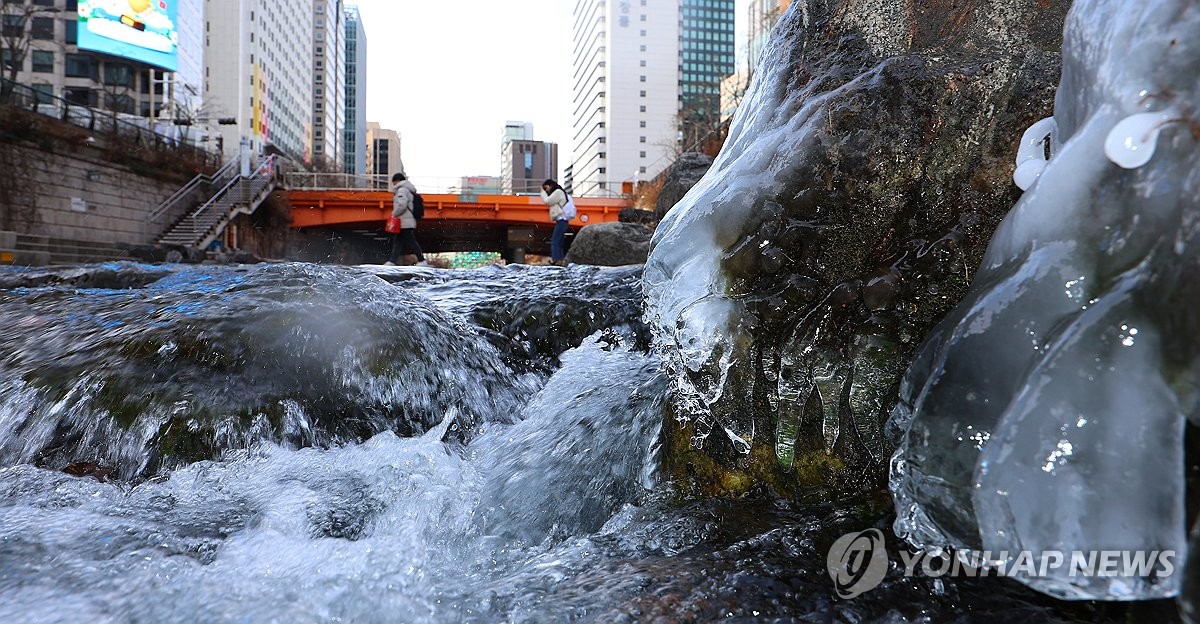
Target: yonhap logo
[{"x": 857, "y": 562}]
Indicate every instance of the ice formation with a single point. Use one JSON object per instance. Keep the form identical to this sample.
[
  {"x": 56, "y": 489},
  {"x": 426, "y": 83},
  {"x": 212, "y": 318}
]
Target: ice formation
[
  {"x": 1047, "y": 412},
  {"x": 1031, "y": 157}
]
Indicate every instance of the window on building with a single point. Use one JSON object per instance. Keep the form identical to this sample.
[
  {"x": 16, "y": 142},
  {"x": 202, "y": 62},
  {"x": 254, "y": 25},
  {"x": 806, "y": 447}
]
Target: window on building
[
  {"x": 44, "y": 92},
  {"x": 43, "y": 61},
  {"x": 72, "y": 31},
  {"x": 81, "y": 66},
  {"x": 642, "y": 108},
  {"x": 642, "y": 154},
  {"x": 44, "y": 2},
  {"x": 641, "y": 139},
  {"x": 119, "y": 103},
  {"x": 118, "y": 74},
  {"x": 42, "y": 28},
  {"x": 80, "y": 96},
  {"x": 12, "y": 26}
]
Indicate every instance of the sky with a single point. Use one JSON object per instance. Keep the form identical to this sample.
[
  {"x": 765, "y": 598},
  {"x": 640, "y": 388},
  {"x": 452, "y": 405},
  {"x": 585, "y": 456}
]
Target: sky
[{"x": 447, "y": 75}]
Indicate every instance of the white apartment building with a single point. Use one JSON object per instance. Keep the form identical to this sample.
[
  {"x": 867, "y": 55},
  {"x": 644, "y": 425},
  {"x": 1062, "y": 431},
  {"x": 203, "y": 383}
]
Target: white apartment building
[
  {"x": 259, "y": 72},
  {"x": 354, "y": 133},
  {"x": 186, "y": 87},
  {"x": 329, "y": 82},
  {"x": 626, "y": 86}
]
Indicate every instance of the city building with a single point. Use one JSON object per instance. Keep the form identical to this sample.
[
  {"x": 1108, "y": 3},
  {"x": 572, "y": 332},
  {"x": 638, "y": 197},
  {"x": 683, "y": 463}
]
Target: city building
[
  {"x": 646, "y": 85},
  {"x": 733, "y": 89},
  {"x": 762, "y": 17},
  {"x": 329, "y": 83},
  {"x": 383, "y": 151},
  {"x": 524, "y": 162},
  {"x": 48, "y": 45},
  {"x": 706, "y": 57},
  {"x": 259, "y": 74},
  {"x": 354, "y": 134},
  {"x": 479, "y": 185}
]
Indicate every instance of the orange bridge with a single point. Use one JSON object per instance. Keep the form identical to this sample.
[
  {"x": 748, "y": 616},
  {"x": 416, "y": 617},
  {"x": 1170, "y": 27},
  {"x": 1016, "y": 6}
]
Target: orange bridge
[{"x": 453, "y": 221}]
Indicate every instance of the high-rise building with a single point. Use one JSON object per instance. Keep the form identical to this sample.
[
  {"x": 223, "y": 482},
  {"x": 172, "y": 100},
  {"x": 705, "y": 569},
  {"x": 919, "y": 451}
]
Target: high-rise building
[
  {"x": 706, "y": 56},
  {"x": 185, "y": 92},
  {"x": 354, "y": 134},
  {"x": 329, "y": 82},
  {"x": 383, "y": 151},
  {"x": 524, "y": 162},
  {"x": 259, "y": 72},
  {"x": 640, "y": 68},
  {"x": 763, "y": 15},
  {"x": 162, "y": 78}
]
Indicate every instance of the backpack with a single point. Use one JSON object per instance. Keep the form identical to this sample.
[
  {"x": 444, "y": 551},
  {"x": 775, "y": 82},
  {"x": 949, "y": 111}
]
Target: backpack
[
  {"x": 569, "y": 207},
  {"x": 418, "y": 206}
]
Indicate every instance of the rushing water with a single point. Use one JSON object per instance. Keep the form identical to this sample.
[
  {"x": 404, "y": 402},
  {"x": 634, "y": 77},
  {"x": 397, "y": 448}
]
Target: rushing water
[{"x": 543, "y": 506}]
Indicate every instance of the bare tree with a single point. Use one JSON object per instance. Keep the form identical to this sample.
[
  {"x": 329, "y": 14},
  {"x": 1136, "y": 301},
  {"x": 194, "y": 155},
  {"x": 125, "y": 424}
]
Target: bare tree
[
  {"x": 700, "y": 127},
  {"x": 16, "y": 35}
]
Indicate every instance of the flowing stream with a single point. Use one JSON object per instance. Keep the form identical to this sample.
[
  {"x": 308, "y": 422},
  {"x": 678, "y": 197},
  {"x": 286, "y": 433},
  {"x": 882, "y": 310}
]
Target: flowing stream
[{"x": 300, "y": 443}]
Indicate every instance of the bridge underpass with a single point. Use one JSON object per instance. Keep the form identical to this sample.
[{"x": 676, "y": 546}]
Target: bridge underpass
[{"x": 510, "y": 224}]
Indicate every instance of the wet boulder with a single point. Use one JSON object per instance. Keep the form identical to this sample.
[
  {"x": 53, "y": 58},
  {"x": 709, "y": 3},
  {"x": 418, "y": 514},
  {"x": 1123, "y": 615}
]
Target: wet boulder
[
  {"x": 610, "y": 244},
  {"x": 211, "y": 359},
  {"x": 864, "y": 174},
  {"x": 683, "y": 174}
]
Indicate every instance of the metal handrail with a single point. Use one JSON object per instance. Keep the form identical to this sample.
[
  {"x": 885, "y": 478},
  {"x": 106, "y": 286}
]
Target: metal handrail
[
  {"x": 186, "y": 189},
  {"x": 262, "y": 172},
  {"x": 27, "y": 98},
  {"x": 460, "y": 186}
]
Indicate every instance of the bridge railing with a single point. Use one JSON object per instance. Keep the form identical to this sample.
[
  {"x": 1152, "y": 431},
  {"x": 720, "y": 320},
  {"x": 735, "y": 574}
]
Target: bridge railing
[{"x": 453, "y": 186}]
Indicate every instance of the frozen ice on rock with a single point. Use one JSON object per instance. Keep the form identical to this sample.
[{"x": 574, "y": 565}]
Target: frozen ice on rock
[{"x": 1048, "y": 410}]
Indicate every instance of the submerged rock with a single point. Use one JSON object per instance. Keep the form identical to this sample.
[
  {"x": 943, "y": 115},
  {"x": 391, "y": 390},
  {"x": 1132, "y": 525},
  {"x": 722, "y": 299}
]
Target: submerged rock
[
  {"x": 534, "y": 314},
  {"x": 206, "y": 360},
  {"x": 863, "y": 176}
]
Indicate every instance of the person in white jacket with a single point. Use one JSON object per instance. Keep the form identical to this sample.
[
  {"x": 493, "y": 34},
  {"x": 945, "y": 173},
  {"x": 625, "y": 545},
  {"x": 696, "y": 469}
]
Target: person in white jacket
[
  {"x": 556, "y": 198},
  {"x": 404, "y": 241}
]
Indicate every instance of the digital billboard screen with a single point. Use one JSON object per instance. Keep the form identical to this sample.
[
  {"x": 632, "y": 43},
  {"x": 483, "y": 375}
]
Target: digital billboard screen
[{"x": 141, "y": 30}]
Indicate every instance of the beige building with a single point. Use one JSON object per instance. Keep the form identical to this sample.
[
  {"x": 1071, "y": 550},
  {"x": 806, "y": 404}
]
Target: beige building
[
  {"x": 764, "y": 14},
  {"x": 383, "y": 151}
]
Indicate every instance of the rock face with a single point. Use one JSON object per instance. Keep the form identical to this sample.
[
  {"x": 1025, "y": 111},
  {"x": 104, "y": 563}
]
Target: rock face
[
  {"x": 864, "y": 175},
  {"x": 682, "y": 176},
  {"x": 610, "y": 244}
]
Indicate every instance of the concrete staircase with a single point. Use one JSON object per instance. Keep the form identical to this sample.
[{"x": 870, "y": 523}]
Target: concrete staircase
[{"x": 238, "y": 195}]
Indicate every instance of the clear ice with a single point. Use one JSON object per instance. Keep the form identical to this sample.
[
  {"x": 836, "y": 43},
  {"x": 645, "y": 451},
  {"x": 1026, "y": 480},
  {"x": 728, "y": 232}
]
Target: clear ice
[{"x": 1047, "y": 412}]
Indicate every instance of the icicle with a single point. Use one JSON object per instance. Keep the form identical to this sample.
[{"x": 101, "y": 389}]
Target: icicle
[{"x": 1031, "y": 155}]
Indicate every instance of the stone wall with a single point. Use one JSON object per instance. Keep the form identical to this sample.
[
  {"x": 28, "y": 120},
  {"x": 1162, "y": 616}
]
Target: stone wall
[{"x": 80, "y": 197}]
